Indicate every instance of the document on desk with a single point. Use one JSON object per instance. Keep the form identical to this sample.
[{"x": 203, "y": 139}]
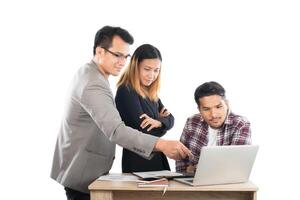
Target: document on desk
[
  {"x": 159, "y": 174},
  {"x": 118, "y": 177}
]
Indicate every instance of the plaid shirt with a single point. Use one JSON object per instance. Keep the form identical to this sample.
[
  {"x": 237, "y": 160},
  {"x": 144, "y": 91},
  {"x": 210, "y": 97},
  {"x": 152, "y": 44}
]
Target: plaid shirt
[{"x": 235, "y": 131}]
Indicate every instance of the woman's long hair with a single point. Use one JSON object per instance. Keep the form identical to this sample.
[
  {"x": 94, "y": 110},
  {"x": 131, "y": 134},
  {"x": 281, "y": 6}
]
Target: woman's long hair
[{"x": 131, "y": 75}]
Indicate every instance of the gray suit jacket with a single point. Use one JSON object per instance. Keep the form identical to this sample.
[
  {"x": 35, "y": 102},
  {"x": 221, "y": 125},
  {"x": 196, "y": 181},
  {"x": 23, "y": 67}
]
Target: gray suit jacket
[{"x": 91, "y": 127}]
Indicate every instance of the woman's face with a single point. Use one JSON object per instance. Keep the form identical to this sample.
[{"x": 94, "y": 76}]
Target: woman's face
[{"x": 149, "y": 71}]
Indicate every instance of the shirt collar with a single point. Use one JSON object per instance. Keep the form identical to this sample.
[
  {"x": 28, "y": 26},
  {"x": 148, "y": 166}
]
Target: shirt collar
[{"x": 95, "y": 66}]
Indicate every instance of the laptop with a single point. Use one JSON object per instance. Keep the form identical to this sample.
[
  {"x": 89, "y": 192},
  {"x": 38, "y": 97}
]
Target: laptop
[{"x": 223, "y": 165}]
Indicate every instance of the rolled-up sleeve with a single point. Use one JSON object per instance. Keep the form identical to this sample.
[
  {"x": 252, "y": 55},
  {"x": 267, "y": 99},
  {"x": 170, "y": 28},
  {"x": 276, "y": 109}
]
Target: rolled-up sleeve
[{"x": 97, "y": 100}]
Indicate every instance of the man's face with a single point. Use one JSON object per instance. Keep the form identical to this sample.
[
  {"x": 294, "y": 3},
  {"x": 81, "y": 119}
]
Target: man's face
[
  {"x": 213, "y": 110},
  {"x": 113, "y": 59}
]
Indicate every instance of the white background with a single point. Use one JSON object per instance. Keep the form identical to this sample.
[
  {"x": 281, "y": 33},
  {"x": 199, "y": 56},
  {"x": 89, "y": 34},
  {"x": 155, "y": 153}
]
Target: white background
[{"x": 251, "y": 47}]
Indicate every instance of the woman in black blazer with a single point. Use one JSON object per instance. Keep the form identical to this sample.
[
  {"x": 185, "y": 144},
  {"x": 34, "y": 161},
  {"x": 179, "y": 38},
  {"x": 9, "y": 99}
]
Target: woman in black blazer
[{"x": 141, "y": 108}]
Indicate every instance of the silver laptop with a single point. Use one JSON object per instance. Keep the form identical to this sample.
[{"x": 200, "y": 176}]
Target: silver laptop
[{"x": 223, "y": 165}]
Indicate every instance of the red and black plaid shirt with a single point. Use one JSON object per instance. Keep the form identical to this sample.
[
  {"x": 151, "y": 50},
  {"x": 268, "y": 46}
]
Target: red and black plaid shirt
[{"x": 235, "y": 131}]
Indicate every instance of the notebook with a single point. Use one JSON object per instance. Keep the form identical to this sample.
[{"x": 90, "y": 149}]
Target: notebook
[{"x": 223, "y": 165}]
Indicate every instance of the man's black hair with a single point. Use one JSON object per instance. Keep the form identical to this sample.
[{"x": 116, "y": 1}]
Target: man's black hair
[
  {"x": 105, "y": 35},
  {"x": 208, "y": 89}
]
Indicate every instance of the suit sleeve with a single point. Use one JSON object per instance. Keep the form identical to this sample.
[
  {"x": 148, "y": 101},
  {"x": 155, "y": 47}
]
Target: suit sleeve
[{"x": 97, "y": 100}]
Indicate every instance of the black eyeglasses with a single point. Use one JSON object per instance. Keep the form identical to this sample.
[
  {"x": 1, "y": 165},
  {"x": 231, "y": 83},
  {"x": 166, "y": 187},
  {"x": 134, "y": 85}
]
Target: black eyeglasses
[{"x": 118, "y": 56}]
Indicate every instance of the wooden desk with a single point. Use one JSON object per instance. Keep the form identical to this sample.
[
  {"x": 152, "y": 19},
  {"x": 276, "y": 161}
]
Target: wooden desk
[{"x": 113, "y": 190}]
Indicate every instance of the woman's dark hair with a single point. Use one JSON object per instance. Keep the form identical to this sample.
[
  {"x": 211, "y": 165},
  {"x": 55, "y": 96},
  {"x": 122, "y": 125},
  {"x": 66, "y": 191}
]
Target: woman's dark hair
[{"x": 146, "y": 51}]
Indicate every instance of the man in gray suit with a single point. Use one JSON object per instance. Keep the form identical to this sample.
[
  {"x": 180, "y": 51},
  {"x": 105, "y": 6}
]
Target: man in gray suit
[{"x": 92, "y": 126}]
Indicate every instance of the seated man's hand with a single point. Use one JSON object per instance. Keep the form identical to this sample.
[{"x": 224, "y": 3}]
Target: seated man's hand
[
  {"x": 172, "y": 149},
  {"x": 191, "y": 169}
]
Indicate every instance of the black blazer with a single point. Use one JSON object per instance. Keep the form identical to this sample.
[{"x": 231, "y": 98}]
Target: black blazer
[{"x": 131, "y": 106}]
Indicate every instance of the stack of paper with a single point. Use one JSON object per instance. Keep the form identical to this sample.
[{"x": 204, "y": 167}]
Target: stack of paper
[
  {"x": 162, "y": 182},
  {"x": 118, "y": 177}
]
